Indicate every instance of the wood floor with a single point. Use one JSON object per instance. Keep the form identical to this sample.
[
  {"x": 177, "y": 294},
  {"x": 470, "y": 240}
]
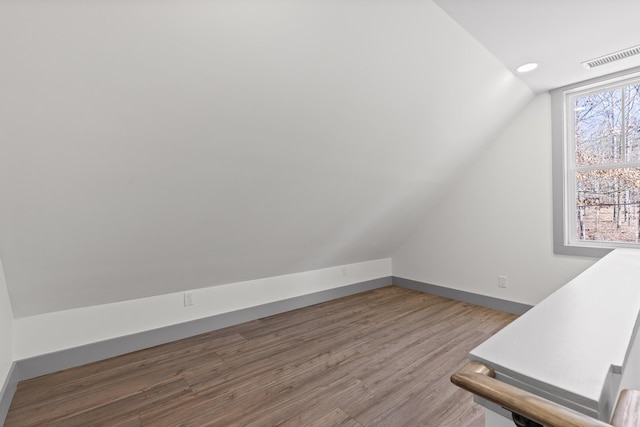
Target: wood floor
[{"x": 379, "y": 358}]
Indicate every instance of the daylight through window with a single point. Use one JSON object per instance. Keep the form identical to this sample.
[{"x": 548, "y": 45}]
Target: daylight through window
[{"x": 603, "y": 165}]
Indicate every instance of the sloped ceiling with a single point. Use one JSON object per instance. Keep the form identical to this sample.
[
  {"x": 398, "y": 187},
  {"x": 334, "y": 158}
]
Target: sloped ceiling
[{"x": 157, "y": 146}]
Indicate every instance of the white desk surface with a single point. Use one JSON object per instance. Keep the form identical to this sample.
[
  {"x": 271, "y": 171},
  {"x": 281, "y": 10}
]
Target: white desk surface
[{"x": 565, "y": 347}]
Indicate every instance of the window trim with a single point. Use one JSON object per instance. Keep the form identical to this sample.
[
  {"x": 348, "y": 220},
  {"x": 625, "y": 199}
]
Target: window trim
[{"x": 560, "y": 154}]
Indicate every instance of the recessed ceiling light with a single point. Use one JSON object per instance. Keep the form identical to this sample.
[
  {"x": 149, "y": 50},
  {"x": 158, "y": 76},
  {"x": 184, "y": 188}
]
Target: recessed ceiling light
[{"x": 529, "y": 66}]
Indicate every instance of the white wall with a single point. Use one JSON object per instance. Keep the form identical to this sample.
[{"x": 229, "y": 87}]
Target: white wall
[
  {"x": 6, "y": 329},
  {"x": 497, "y": 220},
  {"x": 150, "y": 147},
  {"x": 630, "y": 378},
  {"x": 46, "y": 333}
]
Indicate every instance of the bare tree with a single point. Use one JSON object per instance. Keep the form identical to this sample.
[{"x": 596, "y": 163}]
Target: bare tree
[{"x": 607, "y": 138}]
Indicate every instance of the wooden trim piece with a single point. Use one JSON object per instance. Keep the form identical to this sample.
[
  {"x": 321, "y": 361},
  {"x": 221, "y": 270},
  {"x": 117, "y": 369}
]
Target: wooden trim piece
[
  {"x": 480, "y": 379},
  {"x": 627, "y": 413}
]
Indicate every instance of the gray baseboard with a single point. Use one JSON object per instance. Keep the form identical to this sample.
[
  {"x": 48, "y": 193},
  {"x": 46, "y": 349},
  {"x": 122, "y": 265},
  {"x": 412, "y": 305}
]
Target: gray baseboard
[
  {"x": 470, "y": 297},
  {"x": 7, "y": 391},
  {"x": 52, "y": 362},
  {"x": 68, "y": 358}
]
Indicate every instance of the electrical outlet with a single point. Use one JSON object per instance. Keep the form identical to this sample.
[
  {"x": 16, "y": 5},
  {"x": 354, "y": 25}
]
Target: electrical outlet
[
  {"x": 502, "y": 281},
  {"x": 188, "y": 299}
]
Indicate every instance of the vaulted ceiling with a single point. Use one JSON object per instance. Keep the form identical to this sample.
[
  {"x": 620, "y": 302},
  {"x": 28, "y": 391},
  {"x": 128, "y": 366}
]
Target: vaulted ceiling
[{"x": 157, "y": 146}]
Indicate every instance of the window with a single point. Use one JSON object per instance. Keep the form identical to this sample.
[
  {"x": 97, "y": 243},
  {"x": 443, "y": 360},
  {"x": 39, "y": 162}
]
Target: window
[{"x": 600, "y": 161}]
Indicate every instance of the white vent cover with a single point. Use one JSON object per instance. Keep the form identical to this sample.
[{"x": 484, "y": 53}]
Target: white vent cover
[{"x": 616, "y": 56}]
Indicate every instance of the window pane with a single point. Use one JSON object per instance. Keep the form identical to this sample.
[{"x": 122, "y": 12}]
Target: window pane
[
  {"x": 598, "y": 126},
  {"x": 608, "y": 205},
  {"x": 632, "y": 125}
]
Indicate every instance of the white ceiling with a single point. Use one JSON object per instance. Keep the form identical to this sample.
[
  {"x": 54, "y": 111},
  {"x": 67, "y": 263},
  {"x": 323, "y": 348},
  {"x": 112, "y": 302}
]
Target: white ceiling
[
  {"x": 155, "y": 147},
  {"x": 557, "y": 34}
]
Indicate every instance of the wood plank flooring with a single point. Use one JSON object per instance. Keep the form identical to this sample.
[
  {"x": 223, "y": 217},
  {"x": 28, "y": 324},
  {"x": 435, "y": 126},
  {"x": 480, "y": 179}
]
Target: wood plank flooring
[{"x": 379, "y": 358}]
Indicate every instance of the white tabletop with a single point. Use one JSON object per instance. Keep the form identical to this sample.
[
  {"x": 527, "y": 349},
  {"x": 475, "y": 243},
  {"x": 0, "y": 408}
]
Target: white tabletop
[{"x": 570, "y": 347}]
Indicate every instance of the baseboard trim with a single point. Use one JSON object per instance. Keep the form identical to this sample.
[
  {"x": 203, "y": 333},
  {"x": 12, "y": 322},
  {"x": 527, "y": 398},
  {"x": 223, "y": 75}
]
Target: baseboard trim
[
  {"x": 464, "y": 296},
  {"x": 8, "y": 390},
  {"x": 56, "y": 361}
]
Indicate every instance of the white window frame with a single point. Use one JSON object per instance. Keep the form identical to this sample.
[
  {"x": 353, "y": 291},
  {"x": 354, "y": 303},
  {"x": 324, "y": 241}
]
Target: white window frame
[{"x": 564, "y": 185}]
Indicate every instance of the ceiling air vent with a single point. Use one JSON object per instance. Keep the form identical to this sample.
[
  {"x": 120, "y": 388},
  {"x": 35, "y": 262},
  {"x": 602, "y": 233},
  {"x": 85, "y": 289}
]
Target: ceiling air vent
[{"x": 616, "y": 56}]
